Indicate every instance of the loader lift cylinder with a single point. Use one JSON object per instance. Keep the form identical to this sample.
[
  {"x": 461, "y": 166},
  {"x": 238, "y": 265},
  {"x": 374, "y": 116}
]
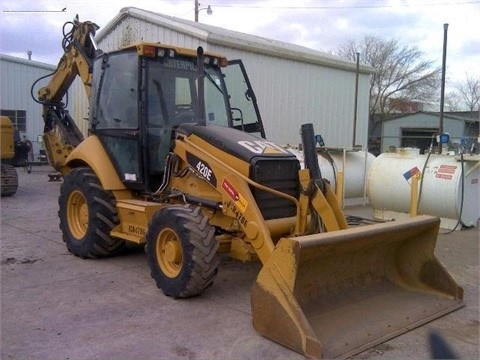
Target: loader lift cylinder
[{"x": 310, "y": 155}]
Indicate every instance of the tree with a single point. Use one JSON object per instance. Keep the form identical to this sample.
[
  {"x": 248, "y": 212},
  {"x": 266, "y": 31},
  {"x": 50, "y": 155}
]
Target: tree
[
  {"x": 468, "y": 92},
  {"x": 400, "y": 73},
  {"x": 453, "y": 101}
]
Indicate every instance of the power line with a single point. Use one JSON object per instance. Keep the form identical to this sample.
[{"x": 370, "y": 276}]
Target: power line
[
  {"x": 340, "y": 6},
  {"x": 35, "y": 11}
]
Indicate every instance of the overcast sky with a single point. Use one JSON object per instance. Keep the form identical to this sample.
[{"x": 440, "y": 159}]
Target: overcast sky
[{"x": 324, "y": 25}]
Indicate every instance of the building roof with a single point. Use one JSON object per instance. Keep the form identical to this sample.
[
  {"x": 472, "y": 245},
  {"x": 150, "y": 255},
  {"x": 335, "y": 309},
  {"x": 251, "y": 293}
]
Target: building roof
[
  {"x": 27, "y": 62},
  {"x": 458, "y": 116},
  {"x": 229, "y": 38}
]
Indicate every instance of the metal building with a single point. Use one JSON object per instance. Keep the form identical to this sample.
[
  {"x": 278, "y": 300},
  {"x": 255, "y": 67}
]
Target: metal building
[
  {"x": 293, "y": 84},
  {"x": 17, "y": 76},
  {"x": 418, "y": 130}
]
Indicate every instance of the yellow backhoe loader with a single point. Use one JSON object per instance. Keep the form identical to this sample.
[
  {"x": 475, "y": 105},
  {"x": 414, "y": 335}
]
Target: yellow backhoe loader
[
  {"x": 9, "y": 176},
  {"x": 176, "y": 159}
]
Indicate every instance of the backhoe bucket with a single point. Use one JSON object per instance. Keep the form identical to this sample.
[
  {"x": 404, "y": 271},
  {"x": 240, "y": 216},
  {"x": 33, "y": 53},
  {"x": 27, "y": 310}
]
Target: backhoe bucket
[{"x": 337, "y": 294}]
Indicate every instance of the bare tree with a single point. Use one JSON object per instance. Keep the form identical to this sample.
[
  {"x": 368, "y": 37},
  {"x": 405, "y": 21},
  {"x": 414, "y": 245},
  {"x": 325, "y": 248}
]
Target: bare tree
[
  {"x": 453, "y": 101},
  {"x": 400, "y": 73},
  {"x": 468, "y": 92}
]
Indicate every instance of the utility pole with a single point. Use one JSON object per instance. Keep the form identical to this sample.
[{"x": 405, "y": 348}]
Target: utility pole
[
  {"x": 197, "y": 5},
  {"x": 442, "y": 89}
]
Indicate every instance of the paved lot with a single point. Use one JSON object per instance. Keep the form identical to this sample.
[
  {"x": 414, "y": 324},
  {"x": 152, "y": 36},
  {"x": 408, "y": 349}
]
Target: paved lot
[{"x": 57, "y": 306}]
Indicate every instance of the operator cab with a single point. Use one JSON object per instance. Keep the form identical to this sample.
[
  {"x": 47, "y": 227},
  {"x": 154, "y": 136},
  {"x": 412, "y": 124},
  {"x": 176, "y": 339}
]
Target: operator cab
[{"x": 142, "y": 93}]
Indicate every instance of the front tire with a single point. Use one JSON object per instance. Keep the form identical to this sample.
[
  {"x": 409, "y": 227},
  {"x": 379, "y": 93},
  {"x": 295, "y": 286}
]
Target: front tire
[
  {"x": 182, "y": 251},
  {"x": 87, "y": 215}
]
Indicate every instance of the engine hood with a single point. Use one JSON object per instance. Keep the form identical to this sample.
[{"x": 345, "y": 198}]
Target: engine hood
[{"x": 242, "y": 145}]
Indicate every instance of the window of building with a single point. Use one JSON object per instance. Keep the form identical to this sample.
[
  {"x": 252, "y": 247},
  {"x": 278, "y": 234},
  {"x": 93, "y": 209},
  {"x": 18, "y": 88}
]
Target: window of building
[{"x": 18, "y": 118}]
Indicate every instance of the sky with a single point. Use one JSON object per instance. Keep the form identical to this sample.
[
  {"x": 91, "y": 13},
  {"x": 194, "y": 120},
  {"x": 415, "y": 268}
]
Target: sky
[{"x": 324, "y": 25}]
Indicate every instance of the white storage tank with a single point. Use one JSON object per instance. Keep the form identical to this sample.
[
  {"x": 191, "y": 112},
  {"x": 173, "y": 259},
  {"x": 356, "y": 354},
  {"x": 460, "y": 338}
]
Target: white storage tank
[
  {"x": 441, "y": 188},
  {"x": 355, "y": 166}
]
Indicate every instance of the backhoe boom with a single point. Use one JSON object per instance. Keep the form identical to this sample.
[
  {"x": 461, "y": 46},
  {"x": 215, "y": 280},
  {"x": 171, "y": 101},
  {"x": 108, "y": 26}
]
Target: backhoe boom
[{"x": 61, "y": 134}]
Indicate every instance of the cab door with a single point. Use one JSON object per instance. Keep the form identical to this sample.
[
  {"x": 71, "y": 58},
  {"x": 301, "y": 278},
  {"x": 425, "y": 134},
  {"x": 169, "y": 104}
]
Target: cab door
[
  {"x": 115, "y": 113},
  {"x": 243, "y": 102}
]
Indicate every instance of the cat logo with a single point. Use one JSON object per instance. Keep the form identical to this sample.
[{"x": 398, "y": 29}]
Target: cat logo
[{"x": 263, "y": 147}]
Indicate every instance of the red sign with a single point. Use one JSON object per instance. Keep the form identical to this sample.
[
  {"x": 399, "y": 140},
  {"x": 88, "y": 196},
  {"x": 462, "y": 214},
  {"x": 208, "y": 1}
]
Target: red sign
[
  {"x": 444, "y": 176},
  {"x": 447, "y": 169},
  {"x": 230, "y": 190}
]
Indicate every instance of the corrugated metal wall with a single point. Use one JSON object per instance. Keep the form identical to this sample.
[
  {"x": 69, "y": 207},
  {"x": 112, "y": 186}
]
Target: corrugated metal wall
[
  {"x": 289, "y": 92},
  {"x": 18, "y": 76}
]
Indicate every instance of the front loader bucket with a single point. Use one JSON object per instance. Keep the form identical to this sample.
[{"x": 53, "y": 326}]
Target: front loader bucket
[{"x": 337, "y": 294}]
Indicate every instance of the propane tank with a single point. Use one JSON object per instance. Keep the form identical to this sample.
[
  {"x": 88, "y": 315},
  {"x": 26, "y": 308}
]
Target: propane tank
[{"x": 445, "y": 189}]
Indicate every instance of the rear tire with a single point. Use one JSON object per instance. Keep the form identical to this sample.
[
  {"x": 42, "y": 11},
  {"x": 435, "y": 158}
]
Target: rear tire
[
  {"x": 182, "y": 251},
  {"x": 87, "y": 215},
  {"x": 9, "y": 180}
]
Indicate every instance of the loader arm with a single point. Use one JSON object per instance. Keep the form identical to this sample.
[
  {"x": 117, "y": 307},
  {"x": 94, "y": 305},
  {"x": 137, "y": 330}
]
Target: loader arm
[{"x": 61, "y": 134}]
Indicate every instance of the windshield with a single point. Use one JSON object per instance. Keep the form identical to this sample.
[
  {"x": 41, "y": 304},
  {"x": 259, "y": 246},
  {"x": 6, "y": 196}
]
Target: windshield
[{"x": 173, "y": 96}]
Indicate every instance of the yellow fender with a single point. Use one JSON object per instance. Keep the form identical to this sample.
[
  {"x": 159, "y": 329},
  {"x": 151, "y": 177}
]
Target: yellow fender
[{"x": 91, "y": 152}]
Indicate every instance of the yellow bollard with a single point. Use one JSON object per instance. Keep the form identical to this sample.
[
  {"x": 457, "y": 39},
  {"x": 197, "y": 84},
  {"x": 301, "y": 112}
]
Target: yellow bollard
[
  {"x": 339, "y": 191},
  {"x": 414, "y": 195}
]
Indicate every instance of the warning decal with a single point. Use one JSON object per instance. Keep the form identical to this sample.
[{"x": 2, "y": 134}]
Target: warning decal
[
  {"x": 238, "y": 199},
  {"x": 447, "y": 169},
  {"x": 446, "y": 172},
  {"x": 411, "y": 173},
  {"x": 444, "y": 176}
]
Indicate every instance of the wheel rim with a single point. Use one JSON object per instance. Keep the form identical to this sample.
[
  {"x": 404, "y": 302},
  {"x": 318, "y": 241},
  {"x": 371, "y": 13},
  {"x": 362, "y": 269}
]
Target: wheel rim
[
  {"x": 169, "y": 253},
  {"x": 77, "y": 215}
]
